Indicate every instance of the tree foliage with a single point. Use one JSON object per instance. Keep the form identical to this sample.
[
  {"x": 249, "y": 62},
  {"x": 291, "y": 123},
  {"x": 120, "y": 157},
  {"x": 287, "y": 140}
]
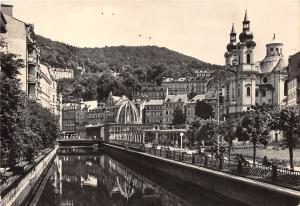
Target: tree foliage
[
  {"x": 178, "y": 117},
  {"x": 135, "y": 65},
  {"x": 254, "y": 127},
  {"x": 204, "y": 110},
  {"x": 25, "y": 126},
  {"x": 287, "y": 120}
]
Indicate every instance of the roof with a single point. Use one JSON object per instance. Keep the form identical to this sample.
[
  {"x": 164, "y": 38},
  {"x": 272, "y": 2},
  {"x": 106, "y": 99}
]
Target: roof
[
  {"x": 274, "y": 41},
  {"x": 154, "y": 102},
  {"x": 198, "y": 97},
  {"x": 281, "y": 65},
  {"x": 176, "y": 98}
]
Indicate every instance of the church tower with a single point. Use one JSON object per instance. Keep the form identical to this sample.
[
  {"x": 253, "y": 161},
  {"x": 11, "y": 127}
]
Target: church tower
[{"x": 241, "y": 71}]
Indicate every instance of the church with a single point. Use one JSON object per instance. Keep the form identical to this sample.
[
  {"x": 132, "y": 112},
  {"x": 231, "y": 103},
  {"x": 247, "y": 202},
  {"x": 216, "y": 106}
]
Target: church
[{"x": 251, "y": 82}]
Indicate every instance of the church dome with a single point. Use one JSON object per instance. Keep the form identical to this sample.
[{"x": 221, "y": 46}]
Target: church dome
[
  {"x": 246, "y": 35},
  {"x": 231, "y": 46},
  {"x": 271, "y": 62}
]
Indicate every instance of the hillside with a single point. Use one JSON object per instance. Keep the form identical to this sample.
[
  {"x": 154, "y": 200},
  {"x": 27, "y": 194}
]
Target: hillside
[
  {"x": 62, "y": 55},
  {"x": 135, "y": 64}
]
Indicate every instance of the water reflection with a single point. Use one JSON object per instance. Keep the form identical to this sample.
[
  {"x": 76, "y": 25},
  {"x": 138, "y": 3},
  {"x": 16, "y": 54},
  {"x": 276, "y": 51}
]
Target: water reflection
[{"x": 101, "y": 180}]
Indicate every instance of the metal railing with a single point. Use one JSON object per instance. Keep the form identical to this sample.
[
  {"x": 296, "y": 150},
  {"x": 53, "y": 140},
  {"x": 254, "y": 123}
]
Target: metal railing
[{"x": 270, "y": 174}]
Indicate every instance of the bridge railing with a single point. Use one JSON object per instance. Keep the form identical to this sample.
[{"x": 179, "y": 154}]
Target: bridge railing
[{"x": 270, "y": 174}]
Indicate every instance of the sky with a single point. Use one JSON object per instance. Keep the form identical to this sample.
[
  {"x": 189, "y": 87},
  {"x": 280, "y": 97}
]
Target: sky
[{"x": 198, "y": 28}]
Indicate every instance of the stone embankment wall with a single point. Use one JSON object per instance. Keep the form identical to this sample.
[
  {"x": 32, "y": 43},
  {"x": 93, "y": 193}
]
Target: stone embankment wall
[
  {"x": 23, "y": 187},
  {"x": 245, "y": 190}
]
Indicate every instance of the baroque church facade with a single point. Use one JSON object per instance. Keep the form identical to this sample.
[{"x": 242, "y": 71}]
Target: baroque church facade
[{"x": 250, "y": 82}]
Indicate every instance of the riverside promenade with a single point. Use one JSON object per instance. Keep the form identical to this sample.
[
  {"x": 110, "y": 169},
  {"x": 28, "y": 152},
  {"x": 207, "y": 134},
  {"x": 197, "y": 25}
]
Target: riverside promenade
[
  {"x": 243, "y": 189},
  {"x": 19, "y": 186}
]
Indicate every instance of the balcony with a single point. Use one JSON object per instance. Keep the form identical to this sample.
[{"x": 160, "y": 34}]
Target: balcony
[{"x": 32, "y": 78}]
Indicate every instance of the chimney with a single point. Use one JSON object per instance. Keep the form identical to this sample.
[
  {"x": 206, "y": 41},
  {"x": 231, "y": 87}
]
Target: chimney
[{"x": 7, "y": 9}]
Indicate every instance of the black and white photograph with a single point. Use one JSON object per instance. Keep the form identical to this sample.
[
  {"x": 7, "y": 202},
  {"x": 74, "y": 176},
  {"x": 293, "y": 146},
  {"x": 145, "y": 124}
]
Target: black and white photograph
[{"x": 150, "y": 103}]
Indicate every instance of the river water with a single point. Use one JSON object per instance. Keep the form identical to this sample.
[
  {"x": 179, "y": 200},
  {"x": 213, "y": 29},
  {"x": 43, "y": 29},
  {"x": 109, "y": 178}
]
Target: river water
[{"x": 96, "y": 179}]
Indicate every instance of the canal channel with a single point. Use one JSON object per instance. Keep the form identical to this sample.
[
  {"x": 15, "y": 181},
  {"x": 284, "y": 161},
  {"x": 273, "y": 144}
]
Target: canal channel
[{"x": 94, "y": 178}]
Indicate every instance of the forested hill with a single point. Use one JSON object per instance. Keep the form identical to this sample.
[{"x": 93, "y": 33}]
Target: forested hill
[
  {"x": 135, "y": 65},
  {"x": 57, "y": 54}
]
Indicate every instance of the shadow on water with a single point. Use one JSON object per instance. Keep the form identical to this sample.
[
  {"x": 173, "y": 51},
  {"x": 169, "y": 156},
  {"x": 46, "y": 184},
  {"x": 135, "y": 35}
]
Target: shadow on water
[{"x": 98, "y": 179}]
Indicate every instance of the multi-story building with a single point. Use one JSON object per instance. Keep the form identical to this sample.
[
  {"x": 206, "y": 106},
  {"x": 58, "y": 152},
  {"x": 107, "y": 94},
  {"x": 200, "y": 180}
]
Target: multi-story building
[
  {"x": 47, "y": 89},
  {"x": 190, "y": 107},
  {"x": 171, "y": 103},
  {"x": 185, "y": 85},
  {"x": 251, "y": 82},
  {"x": 37, "y": 81},
  {"x": 96, "y": 116},
  {"x": 151, "y": 92},
  {"x": 69, "y": 117},
  {"x": 204, "y": 73},
  {"x": 153, "y": 111},
  {"x": 19, "y": 38},
  {"x": 294, "y": 79},
  {"x": 63, "y": 73}
]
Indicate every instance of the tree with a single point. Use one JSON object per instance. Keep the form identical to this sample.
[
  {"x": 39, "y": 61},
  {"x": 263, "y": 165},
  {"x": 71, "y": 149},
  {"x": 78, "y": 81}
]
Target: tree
[
  {"x": 254, "y": 127},
  {"x": 287, "y": 120},
  {"x": 205, "y": 131},
  {"x": 203, "y": 110},
  {"x": 228, "y": 130},
  {"x": 12, "y": 104},
  {"x": 178, "y": 117}
]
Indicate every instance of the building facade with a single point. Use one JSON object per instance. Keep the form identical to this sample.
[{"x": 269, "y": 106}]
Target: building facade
[
  {"x": 249, "y": 82},
  {"x": 294, "y": 79},
  {"x": 171, "y": 103},
  {"x": 63, "y": 73},
  {"x": 153, "y": 111},
  {"x": 151, "y": 92},
  {"x": 185, "y": 85}
]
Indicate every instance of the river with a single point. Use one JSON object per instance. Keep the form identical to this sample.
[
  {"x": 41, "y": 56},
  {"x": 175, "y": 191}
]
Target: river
[{"x": 89, "y": 179}]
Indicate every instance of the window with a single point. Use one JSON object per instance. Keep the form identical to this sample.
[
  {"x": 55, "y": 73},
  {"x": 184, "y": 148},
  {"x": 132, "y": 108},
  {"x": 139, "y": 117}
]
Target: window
[
  {"x": 256, "y": 93},
  {"x": 264, "y": 93},
  {"x": 265, "y": 80},
  {"x": 248, "y": 58},
  {"x": 248, "y": 91},
  {"x": 285, "y": 88}
]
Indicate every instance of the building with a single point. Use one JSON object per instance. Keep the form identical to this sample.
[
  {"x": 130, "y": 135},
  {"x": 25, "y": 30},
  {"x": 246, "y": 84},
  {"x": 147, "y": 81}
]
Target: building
[
  {"x": 75, "y": 117},
  {"x": 190, "y": 107},
  {"x": 185, "y": 85},
  {"x": 63, "y": 73},
  {"x": 171, "y": 103},
  {"x": 204, "y": 73},
  {"x": 69, "y": 118},
  {"x": 294, "y": 79},
  {"x": 96, "y": 116},
  {"x": 153, "y": 111},
  {"x": 19, "y": 39},
  {"x": 151, "y": 92},
  {"x": 249, "y": 82},
  {"x": 47, "y": 89}
]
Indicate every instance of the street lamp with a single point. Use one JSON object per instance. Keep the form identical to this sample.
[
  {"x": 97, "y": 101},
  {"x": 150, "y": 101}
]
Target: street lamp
[{"x": 181, "y": 135}]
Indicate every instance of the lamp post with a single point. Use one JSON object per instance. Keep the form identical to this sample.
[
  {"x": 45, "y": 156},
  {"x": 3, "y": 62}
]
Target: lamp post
[{"x": 181, "y": 135}]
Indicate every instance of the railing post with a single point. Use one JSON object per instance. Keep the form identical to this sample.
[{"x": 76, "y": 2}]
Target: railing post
[
  {"x": 221, "y": 159},
  {"x": 182, "y": 156},
  {"x": 205, "y": 161},
  {"x": 193, "y": 158},
  {"x": 160, "y": 152},
  {"x": 239, "y": 166},
  {"x": 154, "y": 151},
  {"x": 174, "y": 155},
  {"x": 274, "y": 172}
]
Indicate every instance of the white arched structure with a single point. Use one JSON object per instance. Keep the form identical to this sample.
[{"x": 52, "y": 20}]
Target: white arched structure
[{"x": 128, "y": 113}]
